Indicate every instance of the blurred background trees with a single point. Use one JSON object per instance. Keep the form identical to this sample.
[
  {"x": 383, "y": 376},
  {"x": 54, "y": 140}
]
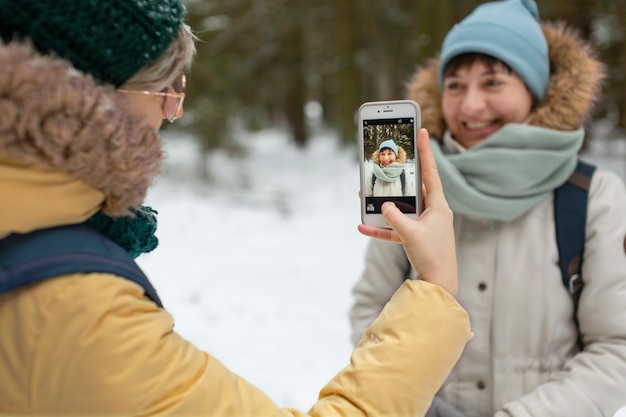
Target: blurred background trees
[{"x": 268, "y": 63}]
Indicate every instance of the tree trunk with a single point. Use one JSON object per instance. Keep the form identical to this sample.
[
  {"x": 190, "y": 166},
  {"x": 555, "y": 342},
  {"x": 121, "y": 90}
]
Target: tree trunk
[
  {"x": 295, "y": 94},
  {"x": 347, "y": 91}
]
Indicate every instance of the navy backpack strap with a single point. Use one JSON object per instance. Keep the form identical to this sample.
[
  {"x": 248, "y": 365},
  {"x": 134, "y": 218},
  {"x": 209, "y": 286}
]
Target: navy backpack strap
[
  {"x": 47, "y": 253},
  {"x": 570, "y": 216}
]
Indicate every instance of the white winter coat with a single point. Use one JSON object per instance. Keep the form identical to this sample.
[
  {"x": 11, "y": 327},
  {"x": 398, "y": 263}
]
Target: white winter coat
[{"x": 524, "y": 357}]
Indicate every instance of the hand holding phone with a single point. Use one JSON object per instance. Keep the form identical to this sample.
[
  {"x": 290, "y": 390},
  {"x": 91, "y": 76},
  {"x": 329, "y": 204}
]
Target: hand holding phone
[
  {"x": 389, "y": 160},
  {"x": 428, "y": 241}
]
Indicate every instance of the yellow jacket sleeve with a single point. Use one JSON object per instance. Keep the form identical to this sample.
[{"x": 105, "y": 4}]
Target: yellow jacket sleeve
[
  {"x": 403, "y": 358},
  {"x": 100, "y": 347}
]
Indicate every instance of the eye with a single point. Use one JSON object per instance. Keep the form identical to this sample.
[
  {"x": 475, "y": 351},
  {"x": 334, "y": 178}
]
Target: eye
[
  {"x": 452, "y": 85},
  {"x": 493, "y": 82}
]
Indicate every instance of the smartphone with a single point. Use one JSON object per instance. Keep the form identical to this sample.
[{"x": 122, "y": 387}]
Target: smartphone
[{"x": 389, "y": 163}]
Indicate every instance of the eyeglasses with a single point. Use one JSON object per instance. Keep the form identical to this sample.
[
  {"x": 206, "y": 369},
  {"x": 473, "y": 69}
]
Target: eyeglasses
[{"x": 173, "y": 97}]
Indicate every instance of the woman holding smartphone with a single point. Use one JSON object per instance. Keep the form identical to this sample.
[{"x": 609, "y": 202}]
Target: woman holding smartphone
[
  {"x": 85, "y": 87},
  {"x": 505, "y": 104}
]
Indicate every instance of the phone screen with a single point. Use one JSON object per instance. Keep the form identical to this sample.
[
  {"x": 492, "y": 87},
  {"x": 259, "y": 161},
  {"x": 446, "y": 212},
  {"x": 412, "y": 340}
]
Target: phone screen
[{"x": 389, "y": 165}]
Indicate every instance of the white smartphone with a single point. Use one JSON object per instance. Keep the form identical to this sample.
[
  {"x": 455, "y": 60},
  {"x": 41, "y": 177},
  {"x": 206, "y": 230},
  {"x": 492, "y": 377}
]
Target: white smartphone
[{"x": 389, "y": 163}]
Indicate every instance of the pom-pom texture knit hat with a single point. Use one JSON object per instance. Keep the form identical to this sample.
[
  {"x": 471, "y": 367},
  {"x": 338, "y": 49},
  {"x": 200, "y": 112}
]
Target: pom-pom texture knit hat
[
  {"x": 506, "y": 30},
  {"x": 109, "y": 39}
]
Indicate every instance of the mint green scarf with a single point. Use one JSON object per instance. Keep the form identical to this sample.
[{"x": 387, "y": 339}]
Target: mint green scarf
[
  {"x": 390, "y": 173},
  {"x": 508, "y": 173}
]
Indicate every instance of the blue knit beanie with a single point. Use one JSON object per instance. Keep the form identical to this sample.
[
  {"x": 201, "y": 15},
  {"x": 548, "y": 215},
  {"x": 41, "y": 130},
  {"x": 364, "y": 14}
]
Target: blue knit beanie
[
  {"x": 507, "y": 30},
  {"x": 389, "y": 144}
]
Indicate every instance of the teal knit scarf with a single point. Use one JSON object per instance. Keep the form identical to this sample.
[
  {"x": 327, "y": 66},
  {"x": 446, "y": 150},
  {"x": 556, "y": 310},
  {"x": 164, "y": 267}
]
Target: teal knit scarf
[
  {"x": 510, "y": 172},
  {"x": 134, "y": 233}
]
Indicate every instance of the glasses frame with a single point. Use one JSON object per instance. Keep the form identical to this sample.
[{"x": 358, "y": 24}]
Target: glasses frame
[{"x": 180, "y": 98}]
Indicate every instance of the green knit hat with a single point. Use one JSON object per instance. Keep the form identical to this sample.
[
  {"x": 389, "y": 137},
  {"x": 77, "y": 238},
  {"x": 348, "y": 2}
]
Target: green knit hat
[{"x": 109, "y": 39}]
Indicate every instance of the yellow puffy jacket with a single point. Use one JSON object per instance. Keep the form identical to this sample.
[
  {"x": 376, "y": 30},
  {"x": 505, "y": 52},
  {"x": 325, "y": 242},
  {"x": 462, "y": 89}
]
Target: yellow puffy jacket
[{"x": 85, "y": 344}]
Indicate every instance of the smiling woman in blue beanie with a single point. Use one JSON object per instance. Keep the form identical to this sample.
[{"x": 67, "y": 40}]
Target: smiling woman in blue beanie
[
  {"x": 84, "y": 88},
  {"x": 390, "y": 176},
  {"x": 505, "y": 103}
]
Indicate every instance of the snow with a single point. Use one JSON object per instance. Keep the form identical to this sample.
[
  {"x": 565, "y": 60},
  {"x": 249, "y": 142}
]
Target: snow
[{"x": 257, "y": 267}]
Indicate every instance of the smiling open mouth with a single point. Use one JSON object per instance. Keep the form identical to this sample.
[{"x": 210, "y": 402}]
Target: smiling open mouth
[{"x": 478, "y": 125}]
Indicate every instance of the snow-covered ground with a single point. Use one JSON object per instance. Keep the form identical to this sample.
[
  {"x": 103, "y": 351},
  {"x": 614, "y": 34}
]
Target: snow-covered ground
[{"x": 257, "y": 268}]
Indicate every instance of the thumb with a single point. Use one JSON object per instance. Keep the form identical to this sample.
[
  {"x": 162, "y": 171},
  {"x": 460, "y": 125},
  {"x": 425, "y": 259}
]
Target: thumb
[{"x": 394, "y": 217}]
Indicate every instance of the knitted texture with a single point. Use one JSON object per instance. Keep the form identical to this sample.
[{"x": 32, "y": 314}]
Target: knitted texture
[
  {"x": 109, "y": 39},
  {"x": 506, "y": 30},
  {"x": 389, "y": 143},
  {"x": 133, "y": 233}
]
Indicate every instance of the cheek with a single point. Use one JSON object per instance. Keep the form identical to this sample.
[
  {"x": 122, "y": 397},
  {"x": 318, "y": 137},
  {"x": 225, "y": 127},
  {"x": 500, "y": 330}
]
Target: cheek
[
  {"x": 516, "y": 111},
  {"x": 448, "y": 108},
  {"x": 147, "y": 108},
  {"x": 518, "y": 105}
]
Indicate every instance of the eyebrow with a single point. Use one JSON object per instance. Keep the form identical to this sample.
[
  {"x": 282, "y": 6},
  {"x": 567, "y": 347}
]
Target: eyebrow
[{"x": 491, "y": 71}]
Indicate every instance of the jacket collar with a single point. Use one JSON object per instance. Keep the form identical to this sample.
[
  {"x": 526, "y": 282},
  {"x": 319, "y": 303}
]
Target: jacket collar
[{"x": 35, "y": 197}]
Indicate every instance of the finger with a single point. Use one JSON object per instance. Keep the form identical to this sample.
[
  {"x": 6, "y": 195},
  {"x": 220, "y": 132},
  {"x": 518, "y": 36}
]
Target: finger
[
  {"x": 379, "y": 233},
  {"x": 396, "y": 219},
  {"x": 430, "y": 174}
]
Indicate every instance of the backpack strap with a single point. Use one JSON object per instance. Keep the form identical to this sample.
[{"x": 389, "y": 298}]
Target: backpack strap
[
  {"x": 47, "y": 253},
  {"x": 570, "y": 217}
]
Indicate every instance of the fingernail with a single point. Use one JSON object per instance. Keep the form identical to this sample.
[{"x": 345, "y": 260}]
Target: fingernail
[{"x": 387, "y": 204}]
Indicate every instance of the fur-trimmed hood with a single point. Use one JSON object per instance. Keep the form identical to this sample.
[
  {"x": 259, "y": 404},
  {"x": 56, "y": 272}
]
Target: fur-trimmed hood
[
  {"x": 56, "y": 116},
  {"x": 401, "y": 156},
  {"x": 576, "y": 77}
]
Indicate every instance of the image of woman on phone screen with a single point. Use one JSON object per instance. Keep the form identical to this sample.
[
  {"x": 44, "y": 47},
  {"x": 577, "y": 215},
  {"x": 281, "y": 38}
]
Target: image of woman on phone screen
[{"x": 390, "y": 176}]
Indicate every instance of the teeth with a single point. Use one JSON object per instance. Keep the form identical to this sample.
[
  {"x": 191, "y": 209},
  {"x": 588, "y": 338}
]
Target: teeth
[{"x": 477, "y": 125}]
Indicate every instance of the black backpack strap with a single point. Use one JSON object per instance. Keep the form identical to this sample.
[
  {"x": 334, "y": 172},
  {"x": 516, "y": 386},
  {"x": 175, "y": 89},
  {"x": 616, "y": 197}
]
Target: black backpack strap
[
  {"x": 47, "y": 253},
  {"x": 570, "y": 217}
]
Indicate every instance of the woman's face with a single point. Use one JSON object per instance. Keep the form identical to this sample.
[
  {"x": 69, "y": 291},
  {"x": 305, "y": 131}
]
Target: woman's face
[
  {"x": 478, "y": 100},
  {"x": 148, "y": 107},
  {"x": 386, "y": 157}
]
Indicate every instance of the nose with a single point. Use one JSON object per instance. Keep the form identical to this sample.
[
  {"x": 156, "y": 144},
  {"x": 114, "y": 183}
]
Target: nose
[{"x": 473, "y": 102}]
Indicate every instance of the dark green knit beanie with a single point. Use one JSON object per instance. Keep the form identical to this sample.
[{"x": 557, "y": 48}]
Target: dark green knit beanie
[{"x": 109, "y": 39}]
